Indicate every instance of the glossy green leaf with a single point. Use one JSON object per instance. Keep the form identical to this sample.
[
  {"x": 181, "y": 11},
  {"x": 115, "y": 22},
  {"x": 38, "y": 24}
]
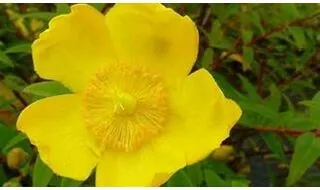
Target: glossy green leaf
[
  {"x": 180, "y": 179},
  {"x": 250, "y": 89},
  {"x": 227, "y": 88},
  {"x": 247, "y": 36},
  {"x": 14, "y": 82},
  {"x": 217, "y": 38},
  {"x": 275, "y": 145},
  {"x": 220, "y": 167},
  {"x": 216, "y": 31},
  {"x": 306, "y": 152},
  {"x": 289, "y": 11},
  {"x": 14, "y": 141},
  {"x": 62, "y": 8},
  {"x": 214, "y": 180},
  {"x": 261, "y": 110},
  {"x": 3, "y": 177},
  {"x": 67, "y": 182},
  {"x": 42, "y": 174},
  {"x": 314, "y": 108},
  {"x": 46, "y": 16},
  {"x": 240, "y": 183},
  {"x": 298, "y": 36},
  {"x": 6, "y": 133},
  {"x": 5, "y": 61},
  {"x": 224, "y": 12},
  {"x": 274, "y": 100},
  {"x": 289, "y": 102},
  {"x": 98, "y": 6},
  {"x": 248, "y": 56},
  {"x": 20, "y": 48},
  {"x": 195, "y": 173},
  {"x": 207, "y": 59},
  {"x": 46, "y": 89}
]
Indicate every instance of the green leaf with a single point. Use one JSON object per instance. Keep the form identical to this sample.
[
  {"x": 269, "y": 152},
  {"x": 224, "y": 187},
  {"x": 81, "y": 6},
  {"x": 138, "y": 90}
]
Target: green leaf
[
  {"x": 274, "y": 100},
  {"x": 254, "y": 17},
  {"x": 289, "y": 102},
  {"x": 220, "y": 167},
  {"x": 207, "y": 59},
  {"x": 14, "y": 141},
  {"x": 260, "y": 109},
  {"x": 314, "y": 108},
  {"x": 282, "y": 36},
  {"x": 296, "y": 120},
  {"x": 46, "y": 16},
  {"x": 42, "y": 174},
  {"x": 248, "y": 57},
  {"x": 46, "y": 89},
  {"x": 55, "y": 181},
  {"x": 298, "y": 36},
  {"x": 62, "y": 8},
  {"x": 306, "y": 152},
  {"x": 14, "y": 82},
  {"x": 247, "y": 36},
  {"x": 289, "y": 11},
  {"x": 274, "y": 144},
  {"x": 5, "y": 61},
  {"x": 20, "y": 48},
  {"x": 98, "y": 6},
  {"x": 6, "y": 104},
  {"x": 67, "y": 182},
  {"x": 250, "y": 89},
  {"x": 224, "y": 12},
  {"x": 195, "y": 173},
  {"x": 227, "y": 88},
  {"x": 180, "y": 179},
  {"x": 240, "y": 183},
  {"x": 217, "y": 38},
  {"x": 214, "y": 180},
  {"x": 216, "y": 31},
  {"x": 6, "y": 133},
  {"x": 3, "y": 176}
]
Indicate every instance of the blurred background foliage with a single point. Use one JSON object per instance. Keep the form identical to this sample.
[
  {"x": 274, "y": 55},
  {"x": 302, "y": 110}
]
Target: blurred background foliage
[{"x": 264, "y": 56}]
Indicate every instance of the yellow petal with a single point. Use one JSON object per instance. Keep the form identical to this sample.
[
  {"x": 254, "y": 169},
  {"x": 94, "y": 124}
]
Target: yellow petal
[
  {"x": 202, "y": 117},
  {"x": 155, "y": 36},
  {"x": 150, "y": 166},
  {"x": 55, "y": 126},
  {"x": 73, "y": 48}
]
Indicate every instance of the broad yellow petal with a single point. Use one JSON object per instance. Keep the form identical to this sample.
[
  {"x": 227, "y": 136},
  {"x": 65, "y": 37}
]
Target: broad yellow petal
[
  {"x": 55, "y": 126},
  {"x": 201, "y": 119},
  {"x": 73, "y": 48},
  {"x": 202, "y": 116},
  {"x": 152, "y": 165},
  {"x": 154, "y": 36}
]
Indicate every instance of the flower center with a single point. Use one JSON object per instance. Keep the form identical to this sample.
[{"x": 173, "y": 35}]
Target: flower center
[{"x": 125, "y": 106}]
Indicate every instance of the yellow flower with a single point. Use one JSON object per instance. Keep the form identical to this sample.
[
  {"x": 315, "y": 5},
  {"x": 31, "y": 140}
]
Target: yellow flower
[{"x": 135, "y": 114}]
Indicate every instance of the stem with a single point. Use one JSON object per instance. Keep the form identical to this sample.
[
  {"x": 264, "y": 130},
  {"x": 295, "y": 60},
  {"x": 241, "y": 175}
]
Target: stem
[
  {"x": 20, "y": 98},
  {"x": 262, "y": 153},
  {"x": 279, "y": 29},
  {"x": 260, "y": 76},
  {"x": 311, "y": 64},
  {"x": 206, "y": 17},
  {"x": 280, "y": 130}
]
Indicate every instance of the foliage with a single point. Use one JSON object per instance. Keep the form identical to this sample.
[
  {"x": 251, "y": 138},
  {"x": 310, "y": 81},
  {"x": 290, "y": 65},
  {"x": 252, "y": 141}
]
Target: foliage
[{"x": 264, "y": 56}]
